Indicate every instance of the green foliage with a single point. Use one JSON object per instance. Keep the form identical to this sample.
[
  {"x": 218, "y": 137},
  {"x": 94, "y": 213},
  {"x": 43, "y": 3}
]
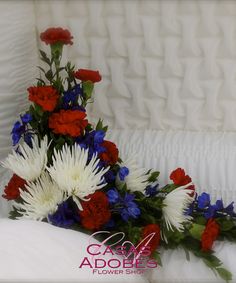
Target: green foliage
[
  {"x": 45, "y": 58},
  {"x": 100, "y": 126},
  {"x": 88, "y": 87},
  {"x": 157, "y": 257},
  {"x": 225, "y": 224},
  {"x": 14, "y": 214},
  {"x": 197, "y": 230},
  {"x": 153, "y": 177},
  {"x": 224, "y": 274}
]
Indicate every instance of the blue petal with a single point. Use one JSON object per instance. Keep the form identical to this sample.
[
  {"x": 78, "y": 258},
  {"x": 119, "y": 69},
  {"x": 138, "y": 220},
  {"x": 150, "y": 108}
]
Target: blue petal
[
  {"x": 113, "y": 196},
  {"x": 203, "y": 200},
  {"x": 123, "y": 172},
  {"x": 26, "y": 118}
]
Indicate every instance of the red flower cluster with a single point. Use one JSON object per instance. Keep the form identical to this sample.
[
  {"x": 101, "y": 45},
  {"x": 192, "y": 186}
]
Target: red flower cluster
[
  {"x": 155, "y": 241},
  {"x": 179, "y": 178},
  {"x": 95, "y": 212},
  {"x": 12, "y": 189},
  {"x": 56, "y": 35},
  {"x": 210, "y": 234},
  {"x": 88, "y": 75},
  {"x": 45, "y": 96},
  {"x": 110, "y": 156},
  {"x": 68, "y": 122}
]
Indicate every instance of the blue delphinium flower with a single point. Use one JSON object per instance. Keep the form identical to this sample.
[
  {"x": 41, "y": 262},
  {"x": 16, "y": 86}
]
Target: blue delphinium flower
[
  {"x": 151, "y": 190},
  {"x": 17, "y": 131},
  {"x": 93, "y": 141},
  {"x": 20, "y": 129},
  {"x": 64, "y": 216},
  {"x": 210, "y": 212},
  {"x": 203, "y": 200},
  {"x": 70, "y": 99},
  {"x": 230, "y": 209},
  {"x": 113, "y": 196},
  {"x": 26, "y": 118},
  {"x": 125, "y": 206},
  {"x": 109, "y": 176},
  {"x": 123, "y": 172},
  {"x": 130, "y": 209},
  {"x": 203, "y": 204}
]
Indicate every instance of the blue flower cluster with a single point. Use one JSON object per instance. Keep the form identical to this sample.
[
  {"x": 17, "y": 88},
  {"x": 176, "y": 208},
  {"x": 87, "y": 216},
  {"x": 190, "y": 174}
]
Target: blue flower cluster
[
  {"x": 70, "y": 99},
  {"x": 151, "y": 190},
  {"x": 203, "y": 204},
  {"x": 93, "y": 141},
  {"x": 64, "y": 217},
  {"x": 123, "y": 172},
  {"x": 125, "y": 206},
  {"x": 20, "y": 129}
]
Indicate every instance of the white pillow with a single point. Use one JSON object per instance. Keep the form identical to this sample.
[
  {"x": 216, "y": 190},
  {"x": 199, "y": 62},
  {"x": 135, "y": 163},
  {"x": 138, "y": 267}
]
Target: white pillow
[{"x": 36, "y": 251}]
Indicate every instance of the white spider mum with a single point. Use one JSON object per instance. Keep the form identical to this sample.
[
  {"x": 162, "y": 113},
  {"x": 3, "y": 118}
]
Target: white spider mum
[
  {"x": 136, "y": 180},
  {"x": 29, "y": 162},
  {"x": 176, "y": 203},
  {"x": 74, "y": 174},
  {"x": 41, "y": 198}
]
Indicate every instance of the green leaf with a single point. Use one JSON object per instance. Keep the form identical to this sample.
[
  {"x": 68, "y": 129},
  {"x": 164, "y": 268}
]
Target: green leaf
[
  {"x": 157, "y": 257},
  {"x": 153, "y": 177},
  {"x": 187, "y": 254},
  {"x": 44, "y": 57},
  {"x": 100, "y": 126},
  {"x": 38, "y": 110},
  {"x": 200, "y": 220},
  {"x": 88, "y": 89},
  {"x": 49, "y": 75},
  {"x": 196, "y": 231},
  {"x": 224, "y": 274},
  {"x": 14, "y": 214},
  {"x": 225, "y": 224}
]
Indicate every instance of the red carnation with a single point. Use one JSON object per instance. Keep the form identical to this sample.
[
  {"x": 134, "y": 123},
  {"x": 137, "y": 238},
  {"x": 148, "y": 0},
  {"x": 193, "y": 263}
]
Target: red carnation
[
  {"x": 12, "y": 190},
  {"x": 56, "y": 35},
  {"x": 110, "y": 155},
  {"x": 88, "y": 75},
  {"x": 209, "y": 234},
  {"x": 95, "y": 212},
  {"x": 68, "y": 122},
  {"x": 155, "y": 241},
  {"x": 179, "y": 178},
  {"x": 45, "y": 96}
]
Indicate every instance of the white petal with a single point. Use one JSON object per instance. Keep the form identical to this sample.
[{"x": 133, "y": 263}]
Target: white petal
[
  {"x": 41, "y": 198},
  {"x": 74, "y": 174},
  {"x": 176, "y": 203},
  {"x": 136, "y": 180},
  {"x": 30, "y": 162}
]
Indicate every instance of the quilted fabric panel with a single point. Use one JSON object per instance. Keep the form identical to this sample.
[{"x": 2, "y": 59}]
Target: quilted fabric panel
[
  {"x": 18, "y": 60},
  {"x": 165, "y": 64}
]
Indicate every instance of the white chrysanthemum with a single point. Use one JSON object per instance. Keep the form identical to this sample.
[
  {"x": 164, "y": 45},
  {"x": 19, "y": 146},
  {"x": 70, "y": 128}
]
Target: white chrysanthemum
[
  {"x": 74, "y": 174},
  {"x": 29, "y": 162},
  {"x": 176, "y": 203},
  {"x": 136, "y": 180},
  {"x": 41, "y": 198}
]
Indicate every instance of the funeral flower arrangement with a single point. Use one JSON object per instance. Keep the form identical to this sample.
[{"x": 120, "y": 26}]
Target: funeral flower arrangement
[{"x": 65, "y": 172}]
